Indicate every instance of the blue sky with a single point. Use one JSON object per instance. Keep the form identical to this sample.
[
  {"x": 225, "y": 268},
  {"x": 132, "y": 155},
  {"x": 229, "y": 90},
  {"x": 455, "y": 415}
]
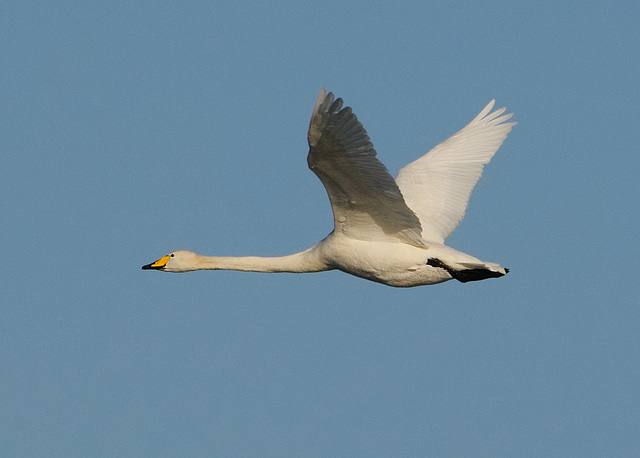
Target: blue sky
[{"x": 132, "y": 129}]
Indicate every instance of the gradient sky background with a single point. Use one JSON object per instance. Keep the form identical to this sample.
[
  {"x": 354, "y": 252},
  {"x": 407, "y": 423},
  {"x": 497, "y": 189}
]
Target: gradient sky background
[{"x": 129, "y": 129}]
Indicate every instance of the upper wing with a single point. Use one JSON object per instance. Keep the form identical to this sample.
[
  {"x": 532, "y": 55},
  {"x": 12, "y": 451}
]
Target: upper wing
[
  {"x": 437, "y": 186},
  {"x": 365, "y": 198}
]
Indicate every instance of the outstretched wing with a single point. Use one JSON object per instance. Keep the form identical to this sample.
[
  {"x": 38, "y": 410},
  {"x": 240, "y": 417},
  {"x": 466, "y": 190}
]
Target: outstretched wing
[
  {"x": 437, "y": 186},
  {"x": 366, "y": 201}
]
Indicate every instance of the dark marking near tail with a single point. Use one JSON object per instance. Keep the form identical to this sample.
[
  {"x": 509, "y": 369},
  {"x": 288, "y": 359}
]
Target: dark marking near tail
[
  {"x": 435, "y": 262},
  {"x": 466, "y": 274}
]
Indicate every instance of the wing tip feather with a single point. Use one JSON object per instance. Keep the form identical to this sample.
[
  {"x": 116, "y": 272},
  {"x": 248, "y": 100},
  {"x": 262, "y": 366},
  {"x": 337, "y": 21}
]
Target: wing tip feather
[{"x": 315, "y": 124}]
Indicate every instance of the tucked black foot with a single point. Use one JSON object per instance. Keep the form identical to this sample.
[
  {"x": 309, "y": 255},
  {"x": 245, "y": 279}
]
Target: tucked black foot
[
  {"x": 466, "y": 275},
  {"x": 474, "y": 274}
]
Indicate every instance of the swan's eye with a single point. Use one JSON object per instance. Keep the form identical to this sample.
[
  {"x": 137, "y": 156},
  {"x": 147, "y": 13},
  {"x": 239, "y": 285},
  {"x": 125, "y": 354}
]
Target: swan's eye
[{"x": 172, "y": 255}]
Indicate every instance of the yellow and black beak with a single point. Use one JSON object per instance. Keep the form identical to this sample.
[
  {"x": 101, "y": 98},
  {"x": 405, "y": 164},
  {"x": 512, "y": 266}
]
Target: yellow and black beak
[{"x": 159, "y": 264}]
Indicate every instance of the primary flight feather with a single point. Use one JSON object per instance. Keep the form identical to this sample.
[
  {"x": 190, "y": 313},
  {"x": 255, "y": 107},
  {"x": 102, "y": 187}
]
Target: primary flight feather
[{"x": 385, "y": 230}]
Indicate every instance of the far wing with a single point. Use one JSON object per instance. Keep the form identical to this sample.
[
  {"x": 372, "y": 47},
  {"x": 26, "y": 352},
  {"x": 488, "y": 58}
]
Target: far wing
[
  {"x": 438, "y": 185},
  {"x": 365, "y": 199}
]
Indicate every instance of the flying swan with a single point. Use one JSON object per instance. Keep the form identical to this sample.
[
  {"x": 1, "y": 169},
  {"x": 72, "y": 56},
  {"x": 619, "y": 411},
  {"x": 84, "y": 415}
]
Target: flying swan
[{"x": 385, "y": 230}]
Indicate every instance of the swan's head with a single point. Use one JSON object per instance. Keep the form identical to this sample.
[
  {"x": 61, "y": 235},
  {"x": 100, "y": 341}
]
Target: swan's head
[{"x": 177, "y": 261}]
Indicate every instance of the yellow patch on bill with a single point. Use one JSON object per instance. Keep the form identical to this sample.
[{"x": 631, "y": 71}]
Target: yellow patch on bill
[{"x": 161, "y": 262}]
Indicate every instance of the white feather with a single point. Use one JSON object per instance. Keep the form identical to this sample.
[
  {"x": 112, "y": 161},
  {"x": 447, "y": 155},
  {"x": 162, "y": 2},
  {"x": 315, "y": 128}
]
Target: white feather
[{"x": 437, "y": 186}]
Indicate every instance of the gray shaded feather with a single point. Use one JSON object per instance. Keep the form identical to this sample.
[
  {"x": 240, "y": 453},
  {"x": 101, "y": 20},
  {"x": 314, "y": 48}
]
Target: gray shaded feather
[{"x": 366, "y": 201}]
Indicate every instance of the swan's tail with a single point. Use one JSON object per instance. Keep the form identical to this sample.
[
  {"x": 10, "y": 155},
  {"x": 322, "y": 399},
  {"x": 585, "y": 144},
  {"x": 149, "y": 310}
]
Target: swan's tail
[
  {"x": 479, "y": 272},
  {"x": 471, "y": 271}
]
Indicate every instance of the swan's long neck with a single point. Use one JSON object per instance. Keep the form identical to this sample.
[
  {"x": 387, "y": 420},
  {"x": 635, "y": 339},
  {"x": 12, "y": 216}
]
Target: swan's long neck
[{"x": 305, "y": 261}]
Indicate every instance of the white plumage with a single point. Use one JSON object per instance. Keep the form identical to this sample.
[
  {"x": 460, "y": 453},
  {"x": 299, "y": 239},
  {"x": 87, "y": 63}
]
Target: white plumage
[
  {"x": 437, "y": 186},
  {"x": 385, "y": 230}
]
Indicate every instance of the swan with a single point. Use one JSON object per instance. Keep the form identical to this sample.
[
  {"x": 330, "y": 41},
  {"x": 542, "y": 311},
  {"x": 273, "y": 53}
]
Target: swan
[{"x": 385, "y": 230}]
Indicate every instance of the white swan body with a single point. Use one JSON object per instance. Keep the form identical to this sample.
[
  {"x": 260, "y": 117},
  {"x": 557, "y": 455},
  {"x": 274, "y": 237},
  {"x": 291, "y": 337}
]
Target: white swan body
[{"x": 388, "y": 231}]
